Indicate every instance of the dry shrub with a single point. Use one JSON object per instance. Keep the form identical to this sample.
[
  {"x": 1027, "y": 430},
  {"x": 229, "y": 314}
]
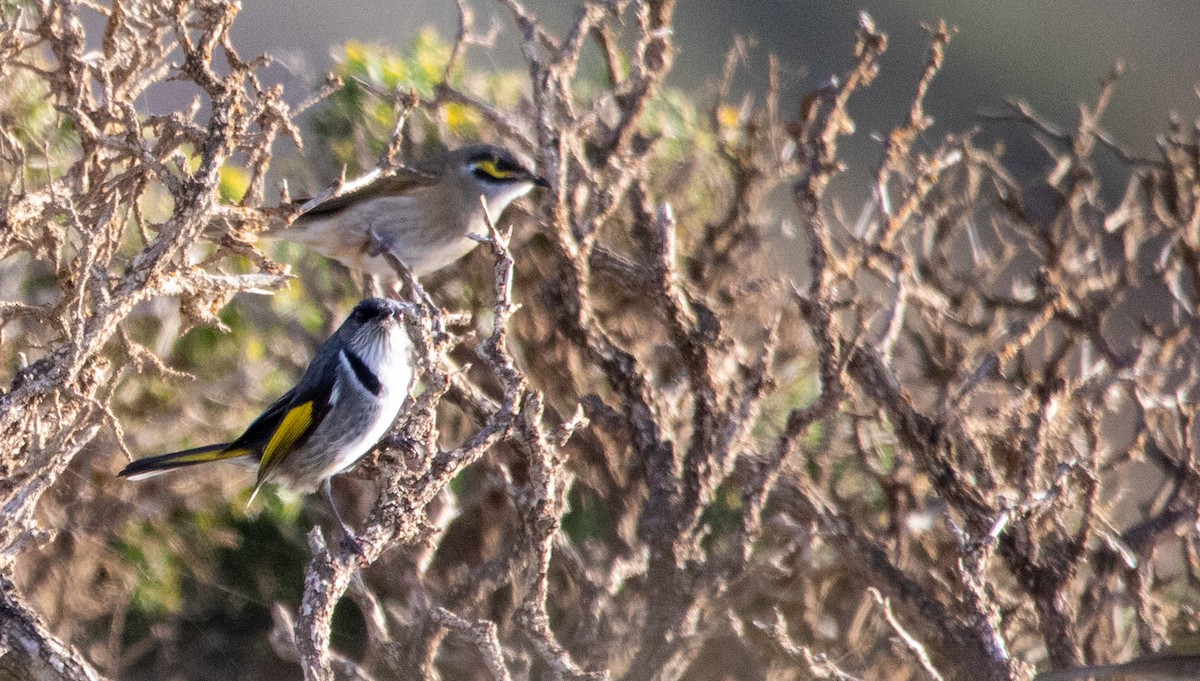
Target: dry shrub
[{"x": 961, "y": 444}]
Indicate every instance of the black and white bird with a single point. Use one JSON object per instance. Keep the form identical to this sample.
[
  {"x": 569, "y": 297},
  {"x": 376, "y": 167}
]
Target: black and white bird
[{"x": 345, "y": 402}]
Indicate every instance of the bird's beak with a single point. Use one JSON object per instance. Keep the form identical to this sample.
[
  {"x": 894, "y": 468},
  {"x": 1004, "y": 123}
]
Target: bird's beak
[{"x": 396, "y": 309}]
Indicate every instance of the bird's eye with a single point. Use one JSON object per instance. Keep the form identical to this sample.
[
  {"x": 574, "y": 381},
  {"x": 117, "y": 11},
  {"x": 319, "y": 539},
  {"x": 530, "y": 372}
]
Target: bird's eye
[
  {"x": 365, "y": 313},
  {"x": 508, "y": 167}
]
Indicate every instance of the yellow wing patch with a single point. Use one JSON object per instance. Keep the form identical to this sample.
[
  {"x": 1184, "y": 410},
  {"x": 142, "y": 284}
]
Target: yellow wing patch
[
  {"x": 293, "y": 426},
  {"x": 489, "y": 166}
]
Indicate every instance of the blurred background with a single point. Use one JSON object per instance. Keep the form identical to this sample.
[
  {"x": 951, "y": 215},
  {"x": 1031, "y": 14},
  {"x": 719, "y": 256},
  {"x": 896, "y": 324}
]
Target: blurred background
[
  {"x": 1051, "y": 54},
  {"x": 192, "y": 596}
]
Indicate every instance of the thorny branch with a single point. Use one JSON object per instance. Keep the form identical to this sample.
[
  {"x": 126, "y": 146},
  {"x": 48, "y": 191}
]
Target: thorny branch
[
  {"x": 77, "y": 221},
  {"x": 670, "y": 459}
]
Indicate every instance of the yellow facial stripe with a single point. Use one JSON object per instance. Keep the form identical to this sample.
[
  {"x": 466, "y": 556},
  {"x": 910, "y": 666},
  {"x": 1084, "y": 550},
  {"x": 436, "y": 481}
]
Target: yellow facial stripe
[
  {"x": 290, "y": 429},
  {"x": 489, "y": 166}
]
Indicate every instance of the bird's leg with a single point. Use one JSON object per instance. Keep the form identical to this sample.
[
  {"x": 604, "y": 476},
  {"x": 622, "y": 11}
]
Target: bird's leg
[
  {"x": 347, "y": 535},
  {"x": 379, "y": 248}
]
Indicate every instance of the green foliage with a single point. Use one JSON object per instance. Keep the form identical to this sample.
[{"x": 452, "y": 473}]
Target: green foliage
[
  {"x": 797, "y": 388},
  {"x": 208, "y": 351},
  {"x": 588, "y": 517},
  {"x": 681, "y": 128},
  {"x": 722, "y": 516},
  {"x": 356, "y": 125},
  {"x": 38, "y": 129},
  {"x": 233, "y": 558},
  {"x": 235, "y": 180},
  {"x": 216, "y": 569}
]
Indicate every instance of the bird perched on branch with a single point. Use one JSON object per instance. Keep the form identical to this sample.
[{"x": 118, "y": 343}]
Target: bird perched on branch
[
  {"x": 423, "y": 214},
  {"x": 344, "y": 403}
]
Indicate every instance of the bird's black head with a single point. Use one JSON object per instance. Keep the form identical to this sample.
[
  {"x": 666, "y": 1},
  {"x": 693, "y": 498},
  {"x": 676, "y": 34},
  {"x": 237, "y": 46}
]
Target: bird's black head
[{"x": 375, "y": 310}]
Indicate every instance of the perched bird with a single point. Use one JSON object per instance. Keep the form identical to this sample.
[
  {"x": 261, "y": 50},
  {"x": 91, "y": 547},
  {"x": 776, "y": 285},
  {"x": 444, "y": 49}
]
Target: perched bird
[
  {"x": 422, "y": 214},
  {"x": 344, "y": 403}
]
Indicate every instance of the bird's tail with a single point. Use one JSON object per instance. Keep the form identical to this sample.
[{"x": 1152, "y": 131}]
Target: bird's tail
[{"x": 153, "y": 465}]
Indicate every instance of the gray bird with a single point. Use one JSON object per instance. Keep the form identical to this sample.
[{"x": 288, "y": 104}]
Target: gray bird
[
  {"x": 344, "y": 403},
  {"x": 423, "y": 214}
]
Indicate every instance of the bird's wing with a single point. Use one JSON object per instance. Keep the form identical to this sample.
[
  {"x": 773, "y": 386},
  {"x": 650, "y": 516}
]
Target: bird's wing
[
  {"x": 285, "y": 425},
  {"x": 402, "y": 181}
]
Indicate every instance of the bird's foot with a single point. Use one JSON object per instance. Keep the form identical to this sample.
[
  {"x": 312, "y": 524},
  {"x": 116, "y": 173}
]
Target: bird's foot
[{"x": 350, "y": 543}]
